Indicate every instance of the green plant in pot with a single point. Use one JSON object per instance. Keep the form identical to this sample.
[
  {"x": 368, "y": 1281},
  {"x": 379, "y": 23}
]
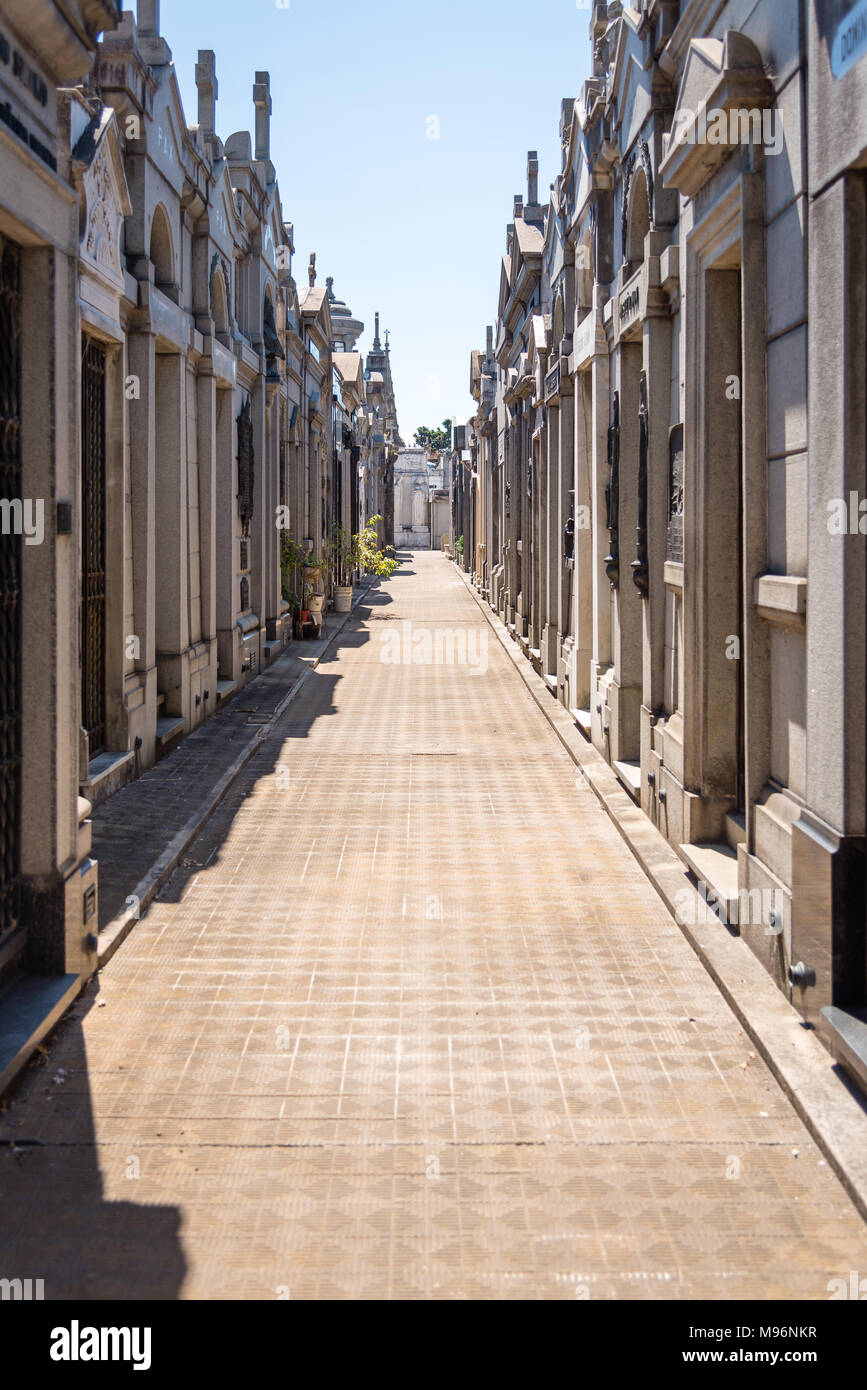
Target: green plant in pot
[
  {"x": 313, "y": 573},
  {"x": 360, "y": 553},
  {"x": 292, "y": 558},
  {"x": 371, "y": 557},
  {"x": 344, "y": 564}
]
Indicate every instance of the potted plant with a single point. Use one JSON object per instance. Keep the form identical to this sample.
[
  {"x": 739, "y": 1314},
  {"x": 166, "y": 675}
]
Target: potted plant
[
  {"x": 345, "y": 561},
  {"x": 292, "y": 557},
  {"x": 358, "y": 553},
  {"x": 371, "y": 558}
]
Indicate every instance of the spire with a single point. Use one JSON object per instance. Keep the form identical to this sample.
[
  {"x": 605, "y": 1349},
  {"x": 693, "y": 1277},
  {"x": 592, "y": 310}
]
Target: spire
[
  {"x": 532, "y": 178},
  {"x": 262, "y": 103},
  {"x": 148, "y": 18},
  {"x": 377, "y": 345},
  {"x": 386, "y": 341},
  {"x": 154, "y": 48},
  {"x": 206, "y": 82}
]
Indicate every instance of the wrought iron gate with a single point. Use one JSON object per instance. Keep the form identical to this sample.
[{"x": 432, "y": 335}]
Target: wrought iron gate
[
  {"x": 10, "y": 588},
  {"x": 93, "y": 545}
]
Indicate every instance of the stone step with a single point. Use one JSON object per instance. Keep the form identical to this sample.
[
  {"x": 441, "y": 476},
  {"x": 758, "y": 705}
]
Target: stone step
[
  {"x": 169, "y": 729},
  {"x": 583, "y": 719},
  {"x": 736, "y": 828},
  {"x": 629, "y": 774},
  {"x": 716, "y": 865},
  {"x": 849, "y": 1039}
]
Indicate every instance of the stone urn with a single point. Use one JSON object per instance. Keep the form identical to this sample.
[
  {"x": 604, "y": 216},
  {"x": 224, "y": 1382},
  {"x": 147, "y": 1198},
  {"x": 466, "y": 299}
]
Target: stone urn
[{"x": 343, "y": 598}]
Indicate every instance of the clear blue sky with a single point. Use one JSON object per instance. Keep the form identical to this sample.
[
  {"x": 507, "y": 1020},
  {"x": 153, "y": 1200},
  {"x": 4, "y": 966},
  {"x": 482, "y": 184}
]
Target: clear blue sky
[{"x": 414, "y": 227}]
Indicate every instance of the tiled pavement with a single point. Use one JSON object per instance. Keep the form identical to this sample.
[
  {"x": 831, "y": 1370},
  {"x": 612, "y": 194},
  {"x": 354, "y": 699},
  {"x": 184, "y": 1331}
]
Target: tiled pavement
[
  {"x": 413, "y": 1024},
  {"x": 137, "y": 822}
]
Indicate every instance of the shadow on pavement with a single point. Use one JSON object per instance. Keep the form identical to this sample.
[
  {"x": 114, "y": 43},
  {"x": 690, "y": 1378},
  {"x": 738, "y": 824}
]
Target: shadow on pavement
[{"x": 57, "y": 1224}]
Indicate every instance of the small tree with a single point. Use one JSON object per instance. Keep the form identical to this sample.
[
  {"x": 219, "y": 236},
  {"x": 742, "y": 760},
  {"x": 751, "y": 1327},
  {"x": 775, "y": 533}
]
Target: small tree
[
  {"x": 292, "y": 558},
  {"x": 379, "y": 562},
  {"x": 438, "y": 439},
  {"x": 360, "y": 552}
]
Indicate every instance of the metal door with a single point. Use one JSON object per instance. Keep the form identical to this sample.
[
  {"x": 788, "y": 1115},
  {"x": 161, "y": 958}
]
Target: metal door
[
  {"x": 10, "y": 590},
  {"x": 93, "y": 546}
]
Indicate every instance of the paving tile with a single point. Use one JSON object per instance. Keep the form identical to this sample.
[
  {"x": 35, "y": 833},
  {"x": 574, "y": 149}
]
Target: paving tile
[{"x": 414, "y": 1025}]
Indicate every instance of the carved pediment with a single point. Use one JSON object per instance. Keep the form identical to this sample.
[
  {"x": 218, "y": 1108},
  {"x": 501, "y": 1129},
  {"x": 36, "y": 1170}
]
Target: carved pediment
[
  {"x": 723, "y": 82},
  {"x": 105, "y": 201}
]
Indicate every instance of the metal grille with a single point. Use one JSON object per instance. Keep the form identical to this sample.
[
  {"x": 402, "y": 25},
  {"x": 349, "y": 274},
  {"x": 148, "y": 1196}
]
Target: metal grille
[
  {"x": 674, "y": 541},
  {"x": 10, "y": 588},
  {"x": 93, "y": 546},
  {"x": 246, "y": 465}
]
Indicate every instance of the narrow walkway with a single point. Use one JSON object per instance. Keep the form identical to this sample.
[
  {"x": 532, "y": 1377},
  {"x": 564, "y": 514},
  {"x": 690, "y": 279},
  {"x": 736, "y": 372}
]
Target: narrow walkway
[
  {"x": 132, "y": 828},
  {"x": 413, "y": 1024}
]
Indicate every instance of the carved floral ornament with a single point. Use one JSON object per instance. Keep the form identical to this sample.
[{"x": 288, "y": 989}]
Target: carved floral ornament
[{"x": 107, "y": 203}]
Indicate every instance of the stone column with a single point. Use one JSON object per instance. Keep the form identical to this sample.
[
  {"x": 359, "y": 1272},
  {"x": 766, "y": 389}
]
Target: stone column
[
  {"x": 600, "y": 416},
  {"x": 588, "y": 521},
  {"x": 141, "y": 358},
  {"x": 49, "y": 610},
  {"x": 625, "y": 692},
  {"x": 754, "y": 420},
  {"x": 566, "y": 576},
  {"x": 828, "y": 840},
  {"x": 206, "y": 415},
  {"x": 525, "y": 535},
  {"x": 549, "y": 558},
  {"x": 271, "y": 578},
  {"x": 172, "y": 539},
  {"x": 117, "y": 547},
  {"x": 657, "y": 366},
  {"x": 712, "y": 546},
  {"x": 225, "y": 527},
  {"x": 258, "y": 528}
]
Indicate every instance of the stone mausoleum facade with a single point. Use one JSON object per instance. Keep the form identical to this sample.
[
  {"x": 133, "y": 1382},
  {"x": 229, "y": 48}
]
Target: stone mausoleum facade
[
  {"x": 662, "y": 490},
  {"x": 172, "y": 400}
]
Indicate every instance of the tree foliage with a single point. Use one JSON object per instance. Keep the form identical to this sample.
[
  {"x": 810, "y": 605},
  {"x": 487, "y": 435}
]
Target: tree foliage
[{"x": 439, "y": 439}]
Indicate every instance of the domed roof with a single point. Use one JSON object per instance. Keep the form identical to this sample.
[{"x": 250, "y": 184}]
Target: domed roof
[{"x": 345, "y": 329}]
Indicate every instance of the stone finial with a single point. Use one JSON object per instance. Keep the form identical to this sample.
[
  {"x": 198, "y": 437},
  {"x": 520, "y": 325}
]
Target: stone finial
[
  {"x": 387, "y": 348},
  {"x": 311, "y": 270},
  {"x": 532, "y": 178},
  {"x": 330, "y": 283},
  {"x": 148, "y": 18},
  {"x": 490, "y": 342},
  {"x": 263, "y": 105},
  {"x": 377, "y": 345},
  {"x": 206, "y": 82},
  {"x": 519, "y": 207}
]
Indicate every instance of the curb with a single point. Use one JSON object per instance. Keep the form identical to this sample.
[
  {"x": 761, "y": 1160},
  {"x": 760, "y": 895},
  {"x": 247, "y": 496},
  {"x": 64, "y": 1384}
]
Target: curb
[
  {"x": 833, "y": 1113},
  {"x": 115, "y": 932}
]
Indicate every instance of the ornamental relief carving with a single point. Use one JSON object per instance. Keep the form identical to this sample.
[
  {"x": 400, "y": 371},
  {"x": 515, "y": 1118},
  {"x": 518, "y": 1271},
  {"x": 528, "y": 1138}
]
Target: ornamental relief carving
[{"x": 101, "y": 241}]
